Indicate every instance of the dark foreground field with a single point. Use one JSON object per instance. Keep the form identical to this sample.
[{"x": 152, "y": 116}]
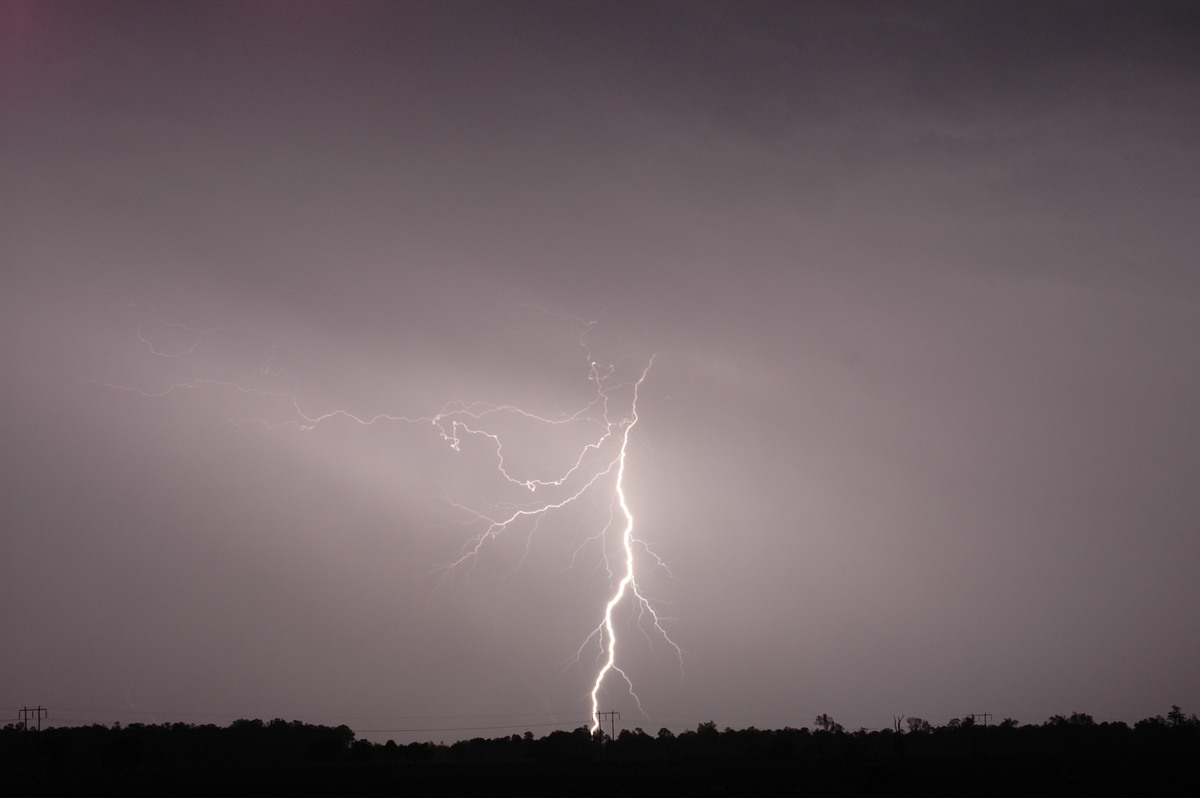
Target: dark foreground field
[
  {"x": 913, "y": 777},
  {"x": 1060, "y": 757}
]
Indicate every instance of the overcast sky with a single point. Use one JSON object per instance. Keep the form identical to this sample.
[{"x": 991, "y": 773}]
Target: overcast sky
[{"x": 919, "y": 282}]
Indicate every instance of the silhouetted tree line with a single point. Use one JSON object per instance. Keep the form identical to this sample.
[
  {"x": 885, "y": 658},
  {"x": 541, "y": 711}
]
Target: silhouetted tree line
[
  {"x": 1064, "y": 750},
  {"x": 243, "y": 741},
  {"x": 293, "y": 741},
  {"x": 829, "y": 739}
]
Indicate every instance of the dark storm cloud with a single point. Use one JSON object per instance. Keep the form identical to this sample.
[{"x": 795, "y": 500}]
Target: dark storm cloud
[{"x": 919, "y": 277}]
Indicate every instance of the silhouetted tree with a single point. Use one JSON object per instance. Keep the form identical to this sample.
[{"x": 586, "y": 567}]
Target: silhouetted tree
[
  {"x": 828, "y": 724},
  {"x": 1177, "y": 719},
  {"x": 919, "y": 725},
  {"x": 1076, "y": 719}
]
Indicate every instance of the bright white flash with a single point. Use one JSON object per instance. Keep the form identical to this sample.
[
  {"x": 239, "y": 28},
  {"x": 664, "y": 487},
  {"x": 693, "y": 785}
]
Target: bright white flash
[{"x": 599, "y": 466}]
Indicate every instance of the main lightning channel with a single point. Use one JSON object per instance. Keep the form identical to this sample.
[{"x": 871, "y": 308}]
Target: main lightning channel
[{"x": 628, "y": 582}]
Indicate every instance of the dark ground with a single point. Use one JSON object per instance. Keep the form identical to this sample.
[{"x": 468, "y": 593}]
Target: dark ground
[
  {"x": 995, "y": 776},
  {"x": 1061, "y": 757}
]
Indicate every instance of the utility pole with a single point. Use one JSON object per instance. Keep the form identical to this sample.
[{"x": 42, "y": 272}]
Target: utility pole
[
  {"x": 38, "y": 712},
  {"x": 986, "y": 717},
  {"x": 613, "y": 717}
]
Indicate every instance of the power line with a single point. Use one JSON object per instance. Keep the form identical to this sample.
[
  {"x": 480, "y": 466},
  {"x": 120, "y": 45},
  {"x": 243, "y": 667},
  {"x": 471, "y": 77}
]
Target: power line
[
  {"x": 183, "y": 713},
  {"x": 613, "y": 716},
  {"x": 30, "y": 712},
  {"x": 471, "y": 728}
]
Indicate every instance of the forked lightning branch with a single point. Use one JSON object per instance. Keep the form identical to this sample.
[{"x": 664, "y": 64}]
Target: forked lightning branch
[{"x": 599, "y": 466}]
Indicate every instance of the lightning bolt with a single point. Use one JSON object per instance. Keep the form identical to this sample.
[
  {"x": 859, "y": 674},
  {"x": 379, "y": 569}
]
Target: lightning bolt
[
  {"x": 612, "y": 410},
  {"x": 627, "y": 584}
]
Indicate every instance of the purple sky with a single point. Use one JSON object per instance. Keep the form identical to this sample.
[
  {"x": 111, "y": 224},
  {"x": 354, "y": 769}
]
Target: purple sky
[{"x": 920, "y": 435}]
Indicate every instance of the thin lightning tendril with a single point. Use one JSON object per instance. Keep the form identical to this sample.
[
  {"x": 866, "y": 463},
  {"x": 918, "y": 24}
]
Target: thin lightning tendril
[
  {"x": 198, "y": 333},
  {"x": 607, "y": 452}
]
